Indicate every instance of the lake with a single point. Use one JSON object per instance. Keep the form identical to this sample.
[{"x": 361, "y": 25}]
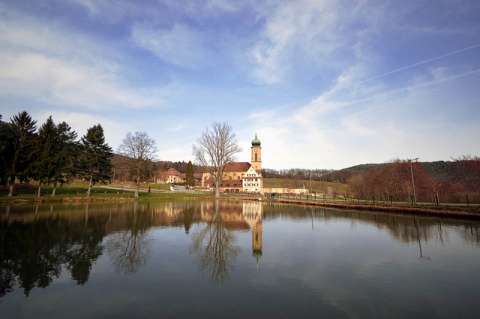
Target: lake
[{"x": 234, "y": 260}]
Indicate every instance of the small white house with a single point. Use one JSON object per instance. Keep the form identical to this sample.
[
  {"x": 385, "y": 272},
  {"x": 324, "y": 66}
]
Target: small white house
[{"x": 252, "y": 181}]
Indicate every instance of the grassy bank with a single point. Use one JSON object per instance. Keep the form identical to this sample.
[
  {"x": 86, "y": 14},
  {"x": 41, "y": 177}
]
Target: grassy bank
[
  {"x": 452, "y": 211},
  {"x": 77, "y": 192}
]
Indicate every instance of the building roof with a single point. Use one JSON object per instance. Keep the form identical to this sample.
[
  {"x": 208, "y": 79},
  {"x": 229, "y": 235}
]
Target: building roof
[
  {"x": 171, "y": 172},
  {"x": 236, "y": 167}
]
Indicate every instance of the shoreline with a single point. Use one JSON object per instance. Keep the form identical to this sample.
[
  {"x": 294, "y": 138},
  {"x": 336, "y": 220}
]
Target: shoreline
[
  {"x": 450, "y": 212},
  {"x": 421, "y": 211}
]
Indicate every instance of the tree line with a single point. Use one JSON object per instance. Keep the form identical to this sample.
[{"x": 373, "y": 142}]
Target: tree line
[
  {"x": 52, "y": 154},
  {"x": 403, "y": 180},
  {"x": 296, "y": 173}
]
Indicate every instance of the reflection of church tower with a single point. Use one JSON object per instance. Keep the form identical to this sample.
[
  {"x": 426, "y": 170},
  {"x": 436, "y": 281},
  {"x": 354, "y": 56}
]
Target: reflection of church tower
[
  {"x": 252, "y": 213},
  {"x": 257, "y": 240},
  {"x": 256, "y": 154}
]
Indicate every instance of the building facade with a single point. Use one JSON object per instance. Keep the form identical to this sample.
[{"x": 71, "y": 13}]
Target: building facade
[
  {"x": 241, "y": 176},
  {"x": 170, "y": 176}
]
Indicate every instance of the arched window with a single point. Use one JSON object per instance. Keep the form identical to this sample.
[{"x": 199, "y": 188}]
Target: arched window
[{"x": 256, "y": 157}]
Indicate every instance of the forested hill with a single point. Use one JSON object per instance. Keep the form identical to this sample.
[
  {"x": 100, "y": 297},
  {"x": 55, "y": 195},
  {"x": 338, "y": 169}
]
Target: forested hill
[{"x": 439, "y": 170}]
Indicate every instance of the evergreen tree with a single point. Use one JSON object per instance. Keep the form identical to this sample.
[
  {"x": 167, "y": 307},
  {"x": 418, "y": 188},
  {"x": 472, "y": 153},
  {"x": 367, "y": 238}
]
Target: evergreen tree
[
  {"x": 23, "y": 129},
  {"x": 96, "y": 158},
  {"x": 65, "y": 155},
  {"x": 6, "y": 149},
  {"x": 45, "y": 168},
  {"x": 189, "y": 178}
]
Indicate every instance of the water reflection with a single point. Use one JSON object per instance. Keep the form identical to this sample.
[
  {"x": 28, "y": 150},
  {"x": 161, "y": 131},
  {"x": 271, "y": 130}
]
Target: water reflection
[
  {"x": 33, "y": 249},
  {"x": 128, "y": 249},
  {"x": 214, "y": 244},
  {"x": 41, "y": 243}
]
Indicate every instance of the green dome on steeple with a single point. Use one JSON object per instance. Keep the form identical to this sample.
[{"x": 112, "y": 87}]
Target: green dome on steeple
[{"x": 256, "y": 141}]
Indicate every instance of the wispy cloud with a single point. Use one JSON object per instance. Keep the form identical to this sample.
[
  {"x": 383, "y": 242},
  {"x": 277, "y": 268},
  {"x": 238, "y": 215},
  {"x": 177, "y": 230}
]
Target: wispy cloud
[
  {"x": 45, "y": 64},
  {"x": 335, "y": 131},
  {"x": 314, "y": 30},
  {"x": 178, "y": 45},
  {"x": 115, "y": 130}
]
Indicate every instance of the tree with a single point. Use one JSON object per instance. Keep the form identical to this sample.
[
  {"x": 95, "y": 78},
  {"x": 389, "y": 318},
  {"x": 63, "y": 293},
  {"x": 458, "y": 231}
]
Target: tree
[
  {"x": 215, "y": 148},
  {"x": 66, "y": 155},
  {"x": 189, "y": 178},
  {"x": 6, "y": 149},
  {"x": 96, "y": 157},
  {"x": 141, "y": 149},
  {"x": 23, "y": 129},
  {"x": 46, "y": 149}
]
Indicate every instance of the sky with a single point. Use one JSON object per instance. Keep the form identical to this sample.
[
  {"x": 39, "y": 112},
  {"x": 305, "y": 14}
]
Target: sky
[{"x": 324, "y": 84}]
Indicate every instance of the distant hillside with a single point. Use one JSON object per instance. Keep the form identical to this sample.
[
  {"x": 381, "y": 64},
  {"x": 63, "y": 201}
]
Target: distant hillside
[
  {"x": 122, "y": 167},
  {"x": 439, "y": 170}
]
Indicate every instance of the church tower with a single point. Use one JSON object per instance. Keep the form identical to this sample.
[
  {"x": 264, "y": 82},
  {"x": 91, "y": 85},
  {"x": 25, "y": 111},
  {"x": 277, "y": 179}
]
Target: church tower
[{"x": 256, "y": 155}]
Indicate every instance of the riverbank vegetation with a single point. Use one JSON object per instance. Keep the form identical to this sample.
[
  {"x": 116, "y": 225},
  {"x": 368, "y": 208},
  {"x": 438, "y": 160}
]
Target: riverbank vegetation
[{"x": 411, "y": 181}]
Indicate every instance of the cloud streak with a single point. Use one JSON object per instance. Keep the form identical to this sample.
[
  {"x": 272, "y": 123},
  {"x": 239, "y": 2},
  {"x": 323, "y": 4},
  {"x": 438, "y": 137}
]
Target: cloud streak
[
  {"x": 178, "y": 45},
  {"x": 46, "y": 65}
]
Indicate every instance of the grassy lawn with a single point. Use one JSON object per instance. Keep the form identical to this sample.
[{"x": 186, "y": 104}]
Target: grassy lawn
[
  {"x": 63, "y": 190},
  {"x": 78, "y": 191},
  {"x": 316, "y": 186},
  {"x": 163, "y": 187}
]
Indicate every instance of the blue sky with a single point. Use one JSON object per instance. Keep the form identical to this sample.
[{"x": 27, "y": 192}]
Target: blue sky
[{"x": 325, "y": 84}]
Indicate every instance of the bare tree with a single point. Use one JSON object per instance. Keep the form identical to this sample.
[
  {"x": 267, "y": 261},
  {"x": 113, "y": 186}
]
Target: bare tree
[
  {"x": 141, "y": 149},
  {"x": 215, "y": 148}
]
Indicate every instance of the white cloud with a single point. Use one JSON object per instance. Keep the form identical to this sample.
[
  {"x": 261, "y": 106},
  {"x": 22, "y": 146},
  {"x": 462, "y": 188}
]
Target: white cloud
[
  {"x": 44, "y": 63},
  {"x": 306, "y": 29},
  {"x": 337, "y": 130},
  {"x": 178, "y": 45},
  {"x": 311, "y": 37},
  {"x": 61, "y": 83},
  {"x": 114, "y": 10},
  {"x": 114, "y": 130}
]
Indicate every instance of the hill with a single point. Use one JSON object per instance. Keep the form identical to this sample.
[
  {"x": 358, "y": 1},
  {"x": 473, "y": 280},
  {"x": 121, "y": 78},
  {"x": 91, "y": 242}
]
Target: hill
[{"x": 439, "y": 170}]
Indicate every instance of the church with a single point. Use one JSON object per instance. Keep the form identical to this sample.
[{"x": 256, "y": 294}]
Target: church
[{"x": 241, "y": 176}]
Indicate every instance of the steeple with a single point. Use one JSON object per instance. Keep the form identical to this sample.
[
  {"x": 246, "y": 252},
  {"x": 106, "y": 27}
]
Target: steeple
[
  {"x": 256, "y": 141},
  {"x": 256, "y": 154}
]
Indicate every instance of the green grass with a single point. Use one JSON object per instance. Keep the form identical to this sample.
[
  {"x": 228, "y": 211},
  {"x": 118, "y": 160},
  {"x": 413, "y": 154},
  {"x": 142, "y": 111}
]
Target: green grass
[
  {"x": 64, "y": 190},
  {"x": 316, "y": 186},
  {"x": 78, "y": 191},
  {"x": 164, "y": 187}
]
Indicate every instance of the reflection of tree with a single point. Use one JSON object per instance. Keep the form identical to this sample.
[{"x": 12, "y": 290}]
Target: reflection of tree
[
  {"x": 129, "y": 249},
  {"x": 215, "y": 248},
  {"x": 32, "y": 254},
  {"x": 471, "y": 233},
  {"x": 7, "y": 280},
  {"x": 80, "y": 257},
  {"x": 188, "y": 218}
]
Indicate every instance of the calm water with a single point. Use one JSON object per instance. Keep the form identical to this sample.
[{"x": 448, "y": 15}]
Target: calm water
[{"x": 234, "y": 260}]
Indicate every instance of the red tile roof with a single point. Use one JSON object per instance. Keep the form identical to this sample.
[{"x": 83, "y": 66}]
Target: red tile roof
[
  {"x": 237, "y": 167},
  {"x": 171, "y": 172}
]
